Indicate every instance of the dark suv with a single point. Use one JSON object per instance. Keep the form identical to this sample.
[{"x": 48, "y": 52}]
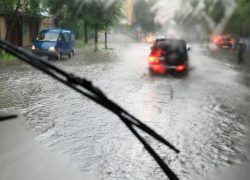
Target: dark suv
[{"x": 168, "y": 55}]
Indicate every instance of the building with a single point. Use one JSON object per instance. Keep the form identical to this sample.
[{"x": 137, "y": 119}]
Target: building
[
  {"x": 3, "y": 28},
  {"x": 128, "y": 11},
  {"x": 24, "y": 28}
]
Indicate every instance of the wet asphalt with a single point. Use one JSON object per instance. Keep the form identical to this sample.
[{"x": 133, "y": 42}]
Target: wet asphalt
[{"x": 204, "y": 114}]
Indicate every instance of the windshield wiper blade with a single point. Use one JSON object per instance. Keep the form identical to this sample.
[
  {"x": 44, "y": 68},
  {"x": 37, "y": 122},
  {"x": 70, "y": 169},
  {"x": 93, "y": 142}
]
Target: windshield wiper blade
[
  {"x": 7, "y": 117},
  {"x": 86, "y": 88}
]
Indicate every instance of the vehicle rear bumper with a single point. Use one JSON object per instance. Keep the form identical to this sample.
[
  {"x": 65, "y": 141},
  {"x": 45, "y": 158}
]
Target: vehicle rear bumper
[
  {"x": 163, "y": 68},
  {"x": 41, "y": 52}
]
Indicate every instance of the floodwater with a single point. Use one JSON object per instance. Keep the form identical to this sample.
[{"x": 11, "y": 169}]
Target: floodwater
[{"x": 205, "y": 115}]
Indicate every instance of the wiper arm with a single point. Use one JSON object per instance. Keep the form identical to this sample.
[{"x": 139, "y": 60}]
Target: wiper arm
[
  {"x": 86, "y": 88},
  {"x": 7, "y": 117}
]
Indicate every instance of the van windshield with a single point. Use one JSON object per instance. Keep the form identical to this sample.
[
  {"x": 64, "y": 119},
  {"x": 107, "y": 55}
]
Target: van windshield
[{"x": 48, "y": 36}]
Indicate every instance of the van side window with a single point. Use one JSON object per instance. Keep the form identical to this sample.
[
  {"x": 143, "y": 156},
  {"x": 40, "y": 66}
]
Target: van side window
[
  {"x": 73, "y": 37},
  {"x": 66, "y": 37},
  {"x": 61, "y": 37}
]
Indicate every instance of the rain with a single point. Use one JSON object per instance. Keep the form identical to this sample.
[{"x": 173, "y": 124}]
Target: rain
[{"x": 203, "y": 113}]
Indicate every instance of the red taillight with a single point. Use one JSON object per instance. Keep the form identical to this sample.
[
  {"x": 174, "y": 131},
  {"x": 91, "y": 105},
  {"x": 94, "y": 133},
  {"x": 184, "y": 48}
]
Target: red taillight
[
  {"x": 152, "y": 59},
  {"x": 216, "y": 39},
  {"x": 180, "y": 68},
  {"x": 158, "y": 68}
]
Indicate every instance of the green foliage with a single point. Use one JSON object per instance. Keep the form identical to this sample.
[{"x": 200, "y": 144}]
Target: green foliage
[
  {"x": 94, "y": 12},
  {"x": 112, "y": 15},
  {"x": 79, "y": 44},
  {"x": 6, "y": 57},
  {"x": 144, "y": 17},
  {"x": 7, "y": 5},
  {"x": 243, "y": 10},
  {"x": 194, "y": 3},
  {"x": 239, "y": 24},
  {"x": 30, "y": 7},
  {"x": 13, "y": 9},
  {"x": 243, "y": 6},
  {"x": 217, "y": 12},
  {"x": 97, "y": 13},
  {"x": 214, "y": 10}
]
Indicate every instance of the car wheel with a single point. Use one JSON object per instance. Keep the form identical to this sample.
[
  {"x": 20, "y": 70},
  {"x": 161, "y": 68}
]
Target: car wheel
[{"x": 70, "y": 54}]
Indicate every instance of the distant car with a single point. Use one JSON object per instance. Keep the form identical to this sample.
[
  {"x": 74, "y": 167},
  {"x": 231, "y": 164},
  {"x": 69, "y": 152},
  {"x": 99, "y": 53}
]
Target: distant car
[
  {"x": 168, "y": 55},
  {"x": 148, "y": 39},
  {"x": 54, "y": 43},
  {"x": 224, "y": 42}
]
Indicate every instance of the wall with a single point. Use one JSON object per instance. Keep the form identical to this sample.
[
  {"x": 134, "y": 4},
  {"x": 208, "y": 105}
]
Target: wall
[
  {"x": 26, "y": 34},
  {"x": 128, "y": 11},
  {"x": 47, "y": 23},
  {"x": 3, "y": 28}
]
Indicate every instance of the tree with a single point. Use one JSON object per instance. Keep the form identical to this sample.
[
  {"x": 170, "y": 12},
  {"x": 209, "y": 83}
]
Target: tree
[
  {"x": 239, "y": 23},
  {"x": 96, "y": 15},
  {"x": 143, "y": 16},
  {"x": 63, "y": 11},
  {"x": 215, "y": 14},
  {"x": 110, "y": 17},
  {"x": 7, "y": 5},
  {"x": 32, "y": 8},
  {"x": 59, "y": 8},
  {"x": 99, "y": 15},
  {"x": 243, "y": 12},
  {"x": 215, "y": 10},
  {"x": 12, "y": 8},
  {"x": 82, "y": 10},
  {"x": 95, "y": 18}
]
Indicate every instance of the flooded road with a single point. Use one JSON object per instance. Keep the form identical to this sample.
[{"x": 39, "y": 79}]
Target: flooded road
[{"x": 205, "y": 115}]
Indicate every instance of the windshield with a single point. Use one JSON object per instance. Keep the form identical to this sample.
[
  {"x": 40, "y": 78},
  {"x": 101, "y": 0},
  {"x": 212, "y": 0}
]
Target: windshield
[
  {"x": 182, "y": 67},
  {"x": 48, "y": 36}
]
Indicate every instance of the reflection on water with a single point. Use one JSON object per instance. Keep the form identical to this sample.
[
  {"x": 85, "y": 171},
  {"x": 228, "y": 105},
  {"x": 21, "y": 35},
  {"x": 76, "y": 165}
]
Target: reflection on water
[{"x": 195, "y": 114}]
